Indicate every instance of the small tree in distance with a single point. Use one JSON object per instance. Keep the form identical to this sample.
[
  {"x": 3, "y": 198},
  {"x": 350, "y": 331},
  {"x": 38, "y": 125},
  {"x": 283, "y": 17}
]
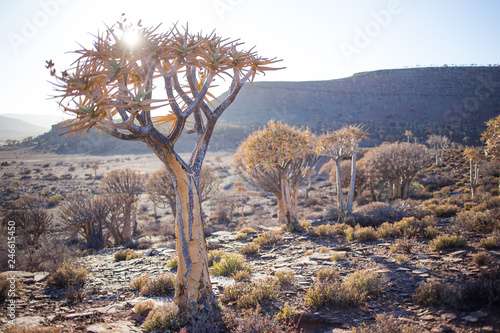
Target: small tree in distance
[
  {"x": 111, "y": 87},
  {"x": 439, "y": 143},
  {"x": 474, "y": 156},
  {"x": 277, "y": 158}
]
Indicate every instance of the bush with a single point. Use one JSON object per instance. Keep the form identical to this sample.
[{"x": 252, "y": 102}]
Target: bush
[
  {"x": 68, "y": 276},
  {"x": 485, "y": 290},
  {"x": 215, "y": 256},
  {"x": 165, "y": 318},
  {"x": 269, "y": 238},
  {"x": 173, "y": 263},
  {"x": 285, "y": 313},
  {"x": 249, "y": 249},
  {"x": 482, "y": 259},
  {"x": 365, "y": 234},
  {"x": 253, "y": 293},
  {"x": 332, "y": 293},
  {"x": 285, "y": 276},
  {"x": 403, "y": 245},
  {"x": 491, "y": 242},
  {"x": 387, "y": 230},
  {"x": 139, "y": 282},
  {"x": 229, "y": 264},
  {"x": 6, "y": 284},
  {"x": 242, "y": 275},
  {"x": 162, "y": 285},
  {"x": 365, "y": 281},
  {"x": 323, "y": 230},
  {"x": 126, "y": 254},
  {"x": 337, "y": 256},
  {"x": 250, "y": 321},
  {"x": 435, "y": 293},
  {"x": 55, "y": 200},
  {"x": 376, "y": 213},
  {"x": 327, "y": 274},
  {"x": 446, "y": 210},
  {"x": 447, "y": 242},
  {"x": 474, "y": 221},
  {"x": 144, "y": 307}
]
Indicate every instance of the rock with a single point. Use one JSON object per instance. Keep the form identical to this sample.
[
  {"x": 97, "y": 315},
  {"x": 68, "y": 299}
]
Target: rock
[
  {"x": 469, "y": 319},
  {"x": 461, "y": 253},
  {"x": 427, "y": 317},
  {"x": 308, "y": 319},
  {"x": 30, "y": 321},
  {"x": 320, "y": 256},
  {"x": 79, "y": 315},
  {"x": 119, "y": 327},
  {"x": 41, "y": 276},
  {"x": 479, "y": 314},
  {"x": 449, "y": 316}
]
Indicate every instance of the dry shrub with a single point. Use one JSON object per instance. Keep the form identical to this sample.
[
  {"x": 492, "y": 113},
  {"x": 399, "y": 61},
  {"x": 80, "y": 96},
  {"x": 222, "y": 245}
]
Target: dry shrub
[
  {"x": 285, "y": 276},
  {"x": 215, "y": 256},
  {"x": 482, "y": 259},
  {"x": 387, "y": 230},
  {"x": 126, "y": 254},
  {"x": 173, "y": 263},
  {"x": 403, "y": 245},
  {"x": 337, "y": 256},
  {"x": 139, "y": 282},
  {"x": 485, "y": 290},
  {"x": 365, "y": 281},
  {"x": 161, "y": 285},
  {"x": 327, "y": 274},
  {"x": 241, "y": 275},
  {"x": 252, "y": 294},
  {"x": 143, "y": 308},
  {"x": 376, "y": 213},
  {"x": 165, "y": 318},
  {"x": 365, "y": 234},
  {"x": 68, "y": 276},
  {"x": 475, "y": 221},
  {"x": 269, "y": 238},
  {"x": 435, "y": 293},
  {"x": 447, "y": 242},
  {"x": 230, "y": 264},
  {"x": 490, "y": 242},
  {"x": 7, "y": 284},
  {"x": 250, "y": 321},
  {"x": 249, "y": 249}
]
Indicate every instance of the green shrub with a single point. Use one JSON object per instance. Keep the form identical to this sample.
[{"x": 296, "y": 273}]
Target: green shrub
[
  {"x": 252, "y": 294},
  {"x": 229, "y": 264},
  {"x": 161, "y": 285},
  {"x": 435, "y": 293},
  {"x": 165, "y": 318},
  {"x": 215, "y": 256},
  {"x": 173, "y": 263},
  {"x": 447, "y": 242},
  {"x": 269, "y": 238},
  {"x": 68, "y": 276}
]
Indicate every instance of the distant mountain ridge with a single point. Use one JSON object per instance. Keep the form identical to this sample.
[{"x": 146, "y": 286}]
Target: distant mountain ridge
[
  {"x": 452, "y": 101},
  {"x": 16, "y": 129}
]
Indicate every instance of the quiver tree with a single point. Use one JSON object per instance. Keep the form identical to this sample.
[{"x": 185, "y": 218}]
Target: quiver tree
[
  {"x": 491, "y": 138},
  {"x": 160, "y": 187},
  {"x": 111, "y": 87},
  {"x": 277, "y": 159},
  {"x": 475, "y": 157},
  {"x": 32, "y": 220},
  {"x": 408, "y": 135},
  {"x": 339, "y": 145},
  {"x": 439, "y": 143},
  {"x": 397, "y": 163},
  {"x": 88, "y": 215},
  {"x": 125, "y": 187}
]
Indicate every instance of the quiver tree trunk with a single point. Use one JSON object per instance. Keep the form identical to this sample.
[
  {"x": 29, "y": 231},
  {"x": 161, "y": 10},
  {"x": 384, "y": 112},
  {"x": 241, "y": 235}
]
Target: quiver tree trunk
[
  {"x": 350, "y": 196},
  {"x": 286, "y": 211},
  {"x": 340, "y": 195},
  {"x": 193, "y": 288}
]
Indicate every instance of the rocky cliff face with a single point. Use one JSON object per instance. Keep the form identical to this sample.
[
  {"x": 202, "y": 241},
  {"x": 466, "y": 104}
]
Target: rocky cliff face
[{"x": 452, "y": 101}]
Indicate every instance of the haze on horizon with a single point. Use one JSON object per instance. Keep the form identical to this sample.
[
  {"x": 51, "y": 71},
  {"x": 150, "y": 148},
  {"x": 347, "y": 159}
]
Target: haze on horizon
[{"x": 320, "y": 40}]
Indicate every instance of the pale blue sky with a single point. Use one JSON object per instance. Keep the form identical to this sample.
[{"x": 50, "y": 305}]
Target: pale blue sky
[{"x": 317, "y": 40}]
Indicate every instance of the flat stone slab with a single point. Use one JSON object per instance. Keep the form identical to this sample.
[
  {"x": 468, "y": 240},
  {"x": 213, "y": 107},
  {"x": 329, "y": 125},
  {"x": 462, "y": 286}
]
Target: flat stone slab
[{"x": 119, "y": 326}]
